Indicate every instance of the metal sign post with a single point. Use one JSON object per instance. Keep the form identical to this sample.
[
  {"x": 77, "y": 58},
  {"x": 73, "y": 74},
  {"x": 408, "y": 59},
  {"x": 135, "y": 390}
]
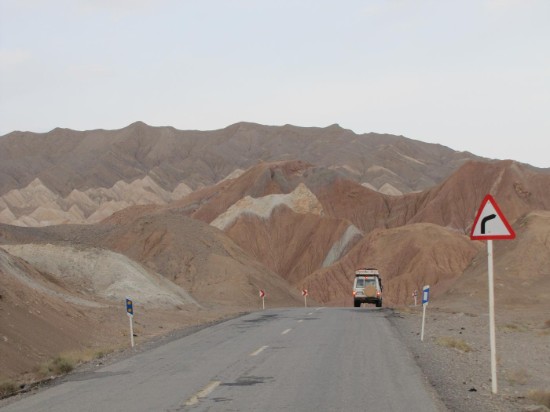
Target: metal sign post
[
  {"x": 425, "y": 299},
  {"x": 492, "y": 333},
  {"x": 130, "y": 312},
  {"x": 490, "y": 224}
]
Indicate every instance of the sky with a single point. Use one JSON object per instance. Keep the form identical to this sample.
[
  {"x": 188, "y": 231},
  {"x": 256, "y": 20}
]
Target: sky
[{"x": 470, "y": 75}]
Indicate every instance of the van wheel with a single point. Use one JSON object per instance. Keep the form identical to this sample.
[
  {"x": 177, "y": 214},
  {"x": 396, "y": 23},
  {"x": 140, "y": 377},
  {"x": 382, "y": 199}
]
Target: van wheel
[
  {"x": 379, "y": 303},
  {"x": 356, "y": 303}
]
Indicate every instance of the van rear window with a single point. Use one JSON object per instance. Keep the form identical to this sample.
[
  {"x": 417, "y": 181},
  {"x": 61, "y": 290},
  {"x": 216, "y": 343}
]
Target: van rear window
[{"x": 364, "y": 282}]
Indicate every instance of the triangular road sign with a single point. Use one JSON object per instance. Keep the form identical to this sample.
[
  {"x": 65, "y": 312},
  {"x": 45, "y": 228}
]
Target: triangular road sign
[{"x": 490, "y": 223}]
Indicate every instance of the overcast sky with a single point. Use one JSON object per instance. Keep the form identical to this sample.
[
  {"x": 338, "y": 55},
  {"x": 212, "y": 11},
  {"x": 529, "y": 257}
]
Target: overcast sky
[{"x": 471, "y": 75}]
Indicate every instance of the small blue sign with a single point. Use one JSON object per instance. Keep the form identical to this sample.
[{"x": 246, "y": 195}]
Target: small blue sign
[
  {"x": 129, "y": 307},
  {"x": 425, "y": 295}
]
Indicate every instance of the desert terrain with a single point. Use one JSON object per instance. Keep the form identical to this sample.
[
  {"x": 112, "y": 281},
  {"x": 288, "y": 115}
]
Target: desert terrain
[{"x": 193, "y": 224}]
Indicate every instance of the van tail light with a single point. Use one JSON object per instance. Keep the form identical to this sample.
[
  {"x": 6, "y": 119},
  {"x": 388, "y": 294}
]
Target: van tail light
[
  {"x": 378, "y": 294},
  {"x": 354, "y": 293}
]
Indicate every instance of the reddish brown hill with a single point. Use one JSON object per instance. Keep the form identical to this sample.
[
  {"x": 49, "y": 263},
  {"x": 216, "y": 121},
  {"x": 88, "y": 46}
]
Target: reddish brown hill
[
  {"x": 453, "y": 203},
  {"x": 275, "y": 238},
  {"x": 292, "y": 244},
  {"x": 339, "y": 196},
  {"x": 521, "y": 270},
  {"x": 200, "y": 258},
  {"x": 407, "y": 257},
  {"x": 366, "y": 209},
  {"x": 517, "y": 189},
  {"x": 258, "y": 181}
]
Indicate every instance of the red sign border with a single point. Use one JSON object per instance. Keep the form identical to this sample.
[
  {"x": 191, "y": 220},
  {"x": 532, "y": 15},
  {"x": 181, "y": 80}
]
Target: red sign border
[{"x": 491, "y": 199}]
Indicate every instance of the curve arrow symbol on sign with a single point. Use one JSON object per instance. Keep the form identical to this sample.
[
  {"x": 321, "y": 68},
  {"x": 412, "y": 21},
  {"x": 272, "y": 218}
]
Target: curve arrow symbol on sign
[
  {"x": 485, "y": 220},
  {"x": 498, "y": 228}
]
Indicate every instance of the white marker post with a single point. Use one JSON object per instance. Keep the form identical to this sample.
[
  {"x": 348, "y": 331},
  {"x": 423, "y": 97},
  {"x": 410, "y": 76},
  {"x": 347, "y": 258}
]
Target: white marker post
[
  {"x": 304, "y": 294},
  {"x": 262, "y": 295},
  {"x": 415, "y": 294},
  {"x": 425, "y": 299},
  {"x": 130, "y": 312},
  {"x": 490, "y": 224},
  {"x": 492, "y": 334}
]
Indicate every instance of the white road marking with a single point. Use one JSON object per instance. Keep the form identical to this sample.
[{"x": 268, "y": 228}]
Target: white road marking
[
  {"x": 318, "y": 308},
  {"x": 203, "y": 393},
  {"x": 256, "y": 353},
  {"x": 286, "y": 331},
  {"x": 300, "y": 321},
  {"x": 310, "y": 313}
]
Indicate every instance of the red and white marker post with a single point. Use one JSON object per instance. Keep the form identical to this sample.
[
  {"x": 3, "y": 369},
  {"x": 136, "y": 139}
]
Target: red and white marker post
[
  {"x": 262, "y": 295},
  {"x": 490, "y": 224},
  {"x": 304, "y": 294}
]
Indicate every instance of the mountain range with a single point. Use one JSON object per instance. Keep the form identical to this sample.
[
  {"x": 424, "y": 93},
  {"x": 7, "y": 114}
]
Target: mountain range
[{"x": 193, "y": 224}]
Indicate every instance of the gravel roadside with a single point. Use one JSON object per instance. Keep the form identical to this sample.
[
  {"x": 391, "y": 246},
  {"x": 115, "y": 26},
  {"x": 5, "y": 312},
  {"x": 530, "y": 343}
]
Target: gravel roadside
[{"x": 455, "y": 357}]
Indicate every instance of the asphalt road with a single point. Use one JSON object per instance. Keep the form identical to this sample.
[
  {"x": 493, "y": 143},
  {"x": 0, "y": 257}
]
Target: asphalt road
[{"x": 319, "y": 359}]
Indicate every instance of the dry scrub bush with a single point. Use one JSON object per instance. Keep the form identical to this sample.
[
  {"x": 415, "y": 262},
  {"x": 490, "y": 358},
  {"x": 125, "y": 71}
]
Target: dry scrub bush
[
  {"x": 517, "y": 377},
  {"x": 66, "y": 362},
  {"x": 450, "y": 342},
  {"x": 7, "y": 388},
  {"x": 541, "y": 397},
  {"x": 512, "y": 327},
  {"x": 56, "y": 366}
]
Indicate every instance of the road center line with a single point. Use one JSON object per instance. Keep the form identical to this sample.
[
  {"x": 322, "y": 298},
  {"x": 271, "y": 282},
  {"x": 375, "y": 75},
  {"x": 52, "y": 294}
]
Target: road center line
[
  {"x": 286, "y": 331},
  {"x": 257, "y": 352},
  {"x": 203, "y": 393}
]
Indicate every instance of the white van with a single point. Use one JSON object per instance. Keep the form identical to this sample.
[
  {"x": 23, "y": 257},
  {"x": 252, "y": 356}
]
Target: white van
[{"x": 367, "y": 287}]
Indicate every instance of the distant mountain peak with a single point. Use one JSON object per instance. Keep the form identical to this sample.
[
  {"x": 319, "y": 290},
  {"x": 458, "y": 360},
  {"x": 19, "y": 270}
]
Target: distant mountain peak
[{"x": 139, "y": 123}]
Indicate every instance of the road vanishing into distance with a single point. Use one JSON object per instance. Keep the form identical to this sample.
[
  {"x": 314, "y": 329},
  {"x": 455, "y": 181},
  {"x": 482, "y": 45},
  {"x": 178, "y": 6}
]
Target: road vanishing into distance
[{"x": 306, "y": 359}]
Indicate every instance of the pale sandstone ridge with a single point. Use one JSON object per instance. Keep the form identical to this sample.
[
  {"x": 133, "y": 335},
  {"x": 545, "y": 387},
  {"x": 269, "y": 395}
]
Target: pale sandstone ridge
[
  {"x": 300, "y": 200},
  {"x": 36, "y": 205},
  {"x": 10, "y": 267},
  {"x": 388, "y": 189},
  {"x": 340, "y": 246},
  {"x": 102, "y": 273}
]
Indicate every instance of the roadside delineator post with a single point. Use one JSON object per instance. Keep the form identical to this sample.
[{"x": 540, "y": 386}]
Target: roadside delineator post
[
  {"x": 415, "y": 294},
  {"x": 262, "y": 295},
  {"x": 490, "y": 224},
  {"x": 130, "y": 312},
  {"x": 304, "y": 294},
  {"x": 425, "y": 299}
]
